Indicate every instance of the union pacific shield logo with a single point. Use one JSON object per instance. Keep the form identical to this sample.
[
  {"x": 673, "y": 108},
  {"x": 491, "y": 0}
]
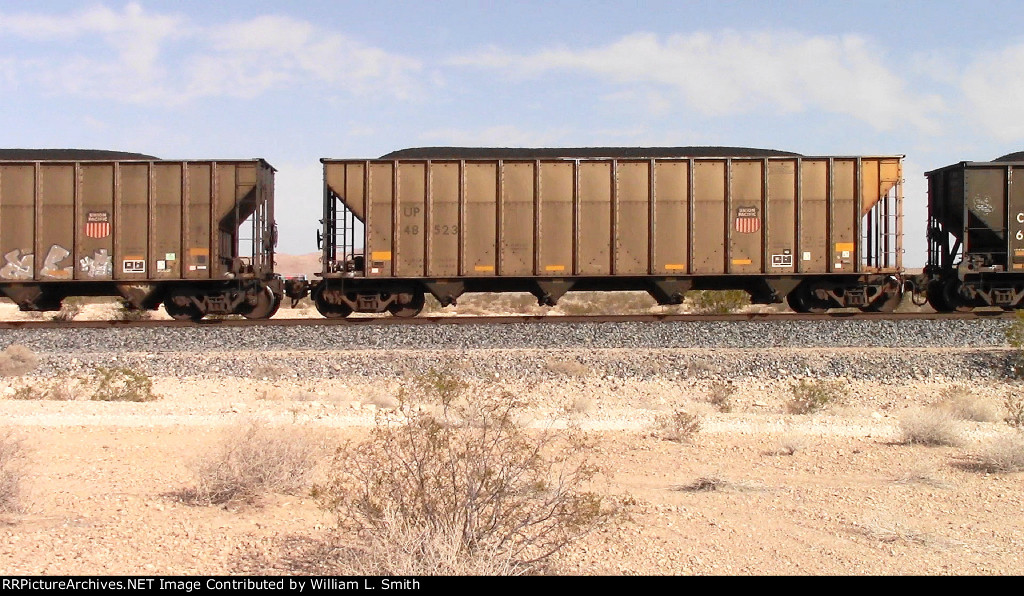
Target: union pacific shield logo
[
  {"x": 97, "y": 224},
  {"x": 747, "y": 220}
]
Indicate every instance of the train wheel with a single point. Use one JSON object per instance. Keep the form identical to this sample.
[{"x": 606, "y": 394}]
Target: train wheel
[
  {"x": 936, "y": 297},
  {"x": 407, "y": 305},
  {"x": 328, "y": 309},
  {"x": 951, "y": 295},
  {"x": 187, "y": 312},
  {"x": 793, "y": 299},
  {"x": 803, "y": 300},
  {"x": 335, "y": 311},
  {"x": 266, "y": 305}
]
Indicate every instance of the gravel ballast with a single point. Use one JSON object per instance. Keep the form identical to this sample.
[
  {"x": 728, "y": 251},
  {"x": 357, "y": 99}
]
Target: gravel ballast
[
  {"x": 878, "y": 350},
  {"x": 977, "y": 333}
]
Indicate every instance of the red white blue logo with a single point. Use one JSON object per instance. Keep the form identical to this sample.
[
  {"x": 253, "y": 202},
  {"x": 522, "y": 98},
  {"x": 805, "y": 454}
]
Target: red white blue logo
[
  {"x": 747, "y": 220},
  {"x": 97, "y": 224}
]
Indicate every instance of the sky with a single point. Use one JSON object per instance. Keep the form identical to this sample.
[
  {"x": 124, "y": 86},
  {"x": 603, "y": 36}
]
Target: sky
[{"x": 937, "y": 81}]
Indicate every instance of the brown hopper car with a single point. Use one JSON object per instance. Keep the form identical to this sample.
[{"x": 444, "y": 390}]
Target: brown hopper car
[
  {"x": 196, "y": 235},
  {"x": 820, "y": 232}
]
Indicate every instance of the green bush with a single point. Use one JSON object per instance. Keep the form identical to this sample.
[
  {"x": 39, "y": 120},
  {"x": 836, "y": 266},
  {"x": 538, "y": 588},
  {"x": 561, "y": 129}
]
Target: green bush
[
  {"x": 126, "y": 311},
  {"x": 120, "y": 384},
  {"x": 814, "y": 396},
  {"x": 717, "y": 302},
  {"x": 58, "y": 390}
]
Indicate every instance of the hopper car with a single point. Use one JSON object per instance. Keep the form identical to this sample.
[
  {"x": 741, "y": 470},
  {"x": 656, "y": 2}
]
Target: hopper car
[
  {"x": 817, "y": 232},
  {"x": 197, "y": 236},
  {"x": 976, "y": 235}
]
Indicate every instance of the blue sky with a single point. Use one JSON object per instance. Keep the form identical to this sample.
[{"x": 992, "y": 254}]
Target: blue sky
[{"x": 937, "y": 81}]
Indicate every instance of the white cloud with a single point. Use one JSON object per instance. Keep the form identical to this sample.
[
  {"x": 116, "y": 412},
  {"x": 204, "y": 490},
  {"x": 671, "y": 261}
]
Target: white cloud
[
  {"x": 134, "y": 56},
  {"x": 128, "y": 43},
  {"x": 95, "y": 20},
  {"x": 732, "y": 72},
  {"x": 993, "y": 86}
]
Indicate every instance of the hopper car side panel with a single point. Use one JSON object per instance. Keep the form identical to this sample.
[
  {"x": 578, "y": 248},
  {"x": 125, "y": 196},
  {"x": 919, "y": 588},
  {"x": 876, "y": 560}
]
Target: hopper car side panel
[
  {"x": 661, "y": 224},
  {"x": 593, "y": 223}
]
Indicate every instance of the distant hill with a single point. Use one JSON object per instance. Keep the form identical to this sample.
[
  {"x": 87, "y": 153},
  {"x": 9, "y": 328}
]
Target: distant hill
[{"x": 291, "y": 265}]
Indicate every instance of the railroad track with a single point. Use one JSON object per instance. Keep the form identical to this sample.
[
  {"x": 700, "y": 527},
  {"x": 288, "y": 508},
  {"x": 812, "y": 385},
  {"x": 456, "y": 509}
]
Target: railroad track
[{"x": 506, "y": 319}]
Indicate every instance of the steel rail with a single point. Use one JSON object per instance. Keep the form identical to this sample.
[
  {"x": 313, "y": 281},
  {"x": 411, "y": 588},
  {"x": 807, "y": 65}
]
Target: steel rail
[{"x": 508, "y": 319}]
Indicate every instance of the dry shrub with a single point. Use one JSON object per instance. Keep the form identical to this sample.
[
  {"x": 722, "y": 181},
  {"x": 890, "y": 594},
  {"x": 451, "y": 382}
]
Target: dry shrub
[
  {"x": 715, "y": 483},
  {"x": 120, "y": 383},
  {"x": 16, "y": 359},
  {"x": 270, "y": 371},
  {"x": 12, "y": 472},
  {"x": 569, "y": 368},
  {"x": 813, "y": 396},
  {"x": 720, "y": 396},
  {"x": 270, "y": 395},
  {"x": 69, "y": 309},
  {"x": 1005, "y": 454},
  {"x": 57, "y": 390},
  {"x": 400, "y": 547},
  {"x": 790, "y": 443},
  {"x": 920, "y": 474},
  {"x": 582, "y": 405},
  {"x": 608, "y": 303},
  {"x": 704, "y": 484},
  {"x": 490, "y": 303},
  {"x": 252, "y": 461},
  {"x": 464, "y": 487},
  {"x": 962, "y": 404},
  {"x": 890, "y": 531},
  {"x": 929, "y": 426},
  {"x": 679, "y": 426},
  {"x": 383, "y": 401},
  {"x": 1014, "y": 410}
]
